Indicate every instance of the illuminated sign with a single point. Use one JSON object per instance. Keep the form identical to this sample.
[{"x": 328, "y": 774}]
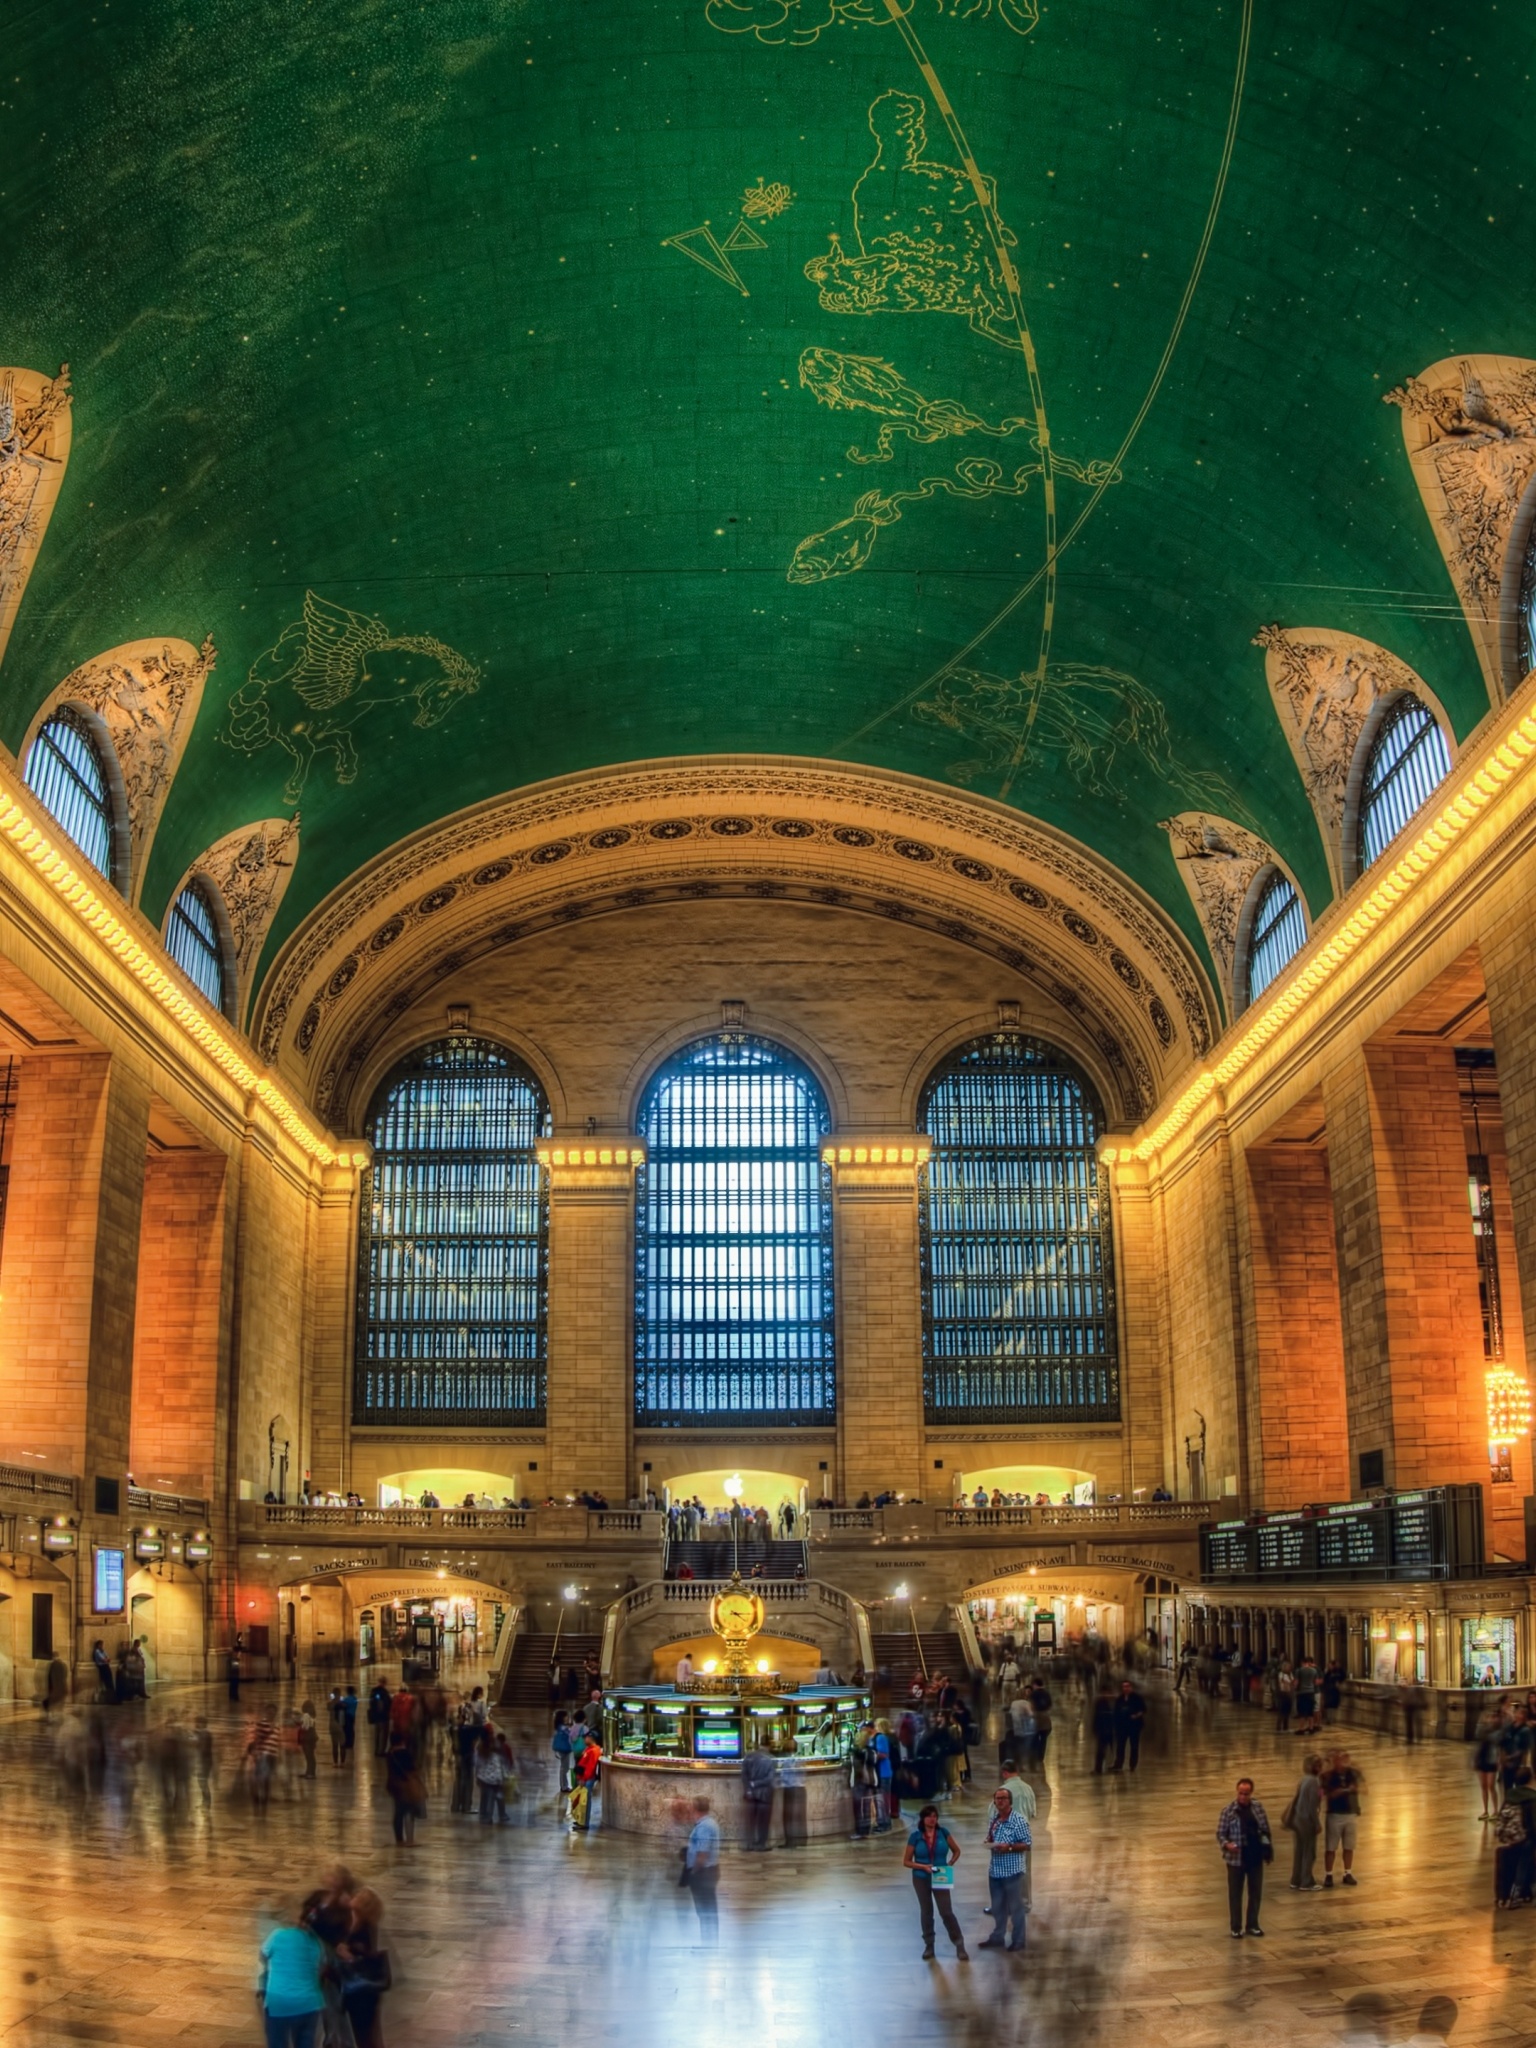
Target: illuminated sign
[{"x": 109, "y": 1582}]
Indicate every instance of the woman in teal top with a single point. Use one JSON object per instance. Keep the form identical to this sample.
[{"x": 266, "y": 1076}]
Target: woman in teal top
[
  {"x": 932, "y": 1853},
  {"x": 289, "y": 1989}
]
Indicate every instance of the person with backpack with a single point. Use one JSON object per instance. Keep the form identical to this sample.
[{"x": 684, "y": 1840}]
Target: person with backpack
[
  {"x": 931, "y": 1855},
  {"x": 588, "y": 1770}
]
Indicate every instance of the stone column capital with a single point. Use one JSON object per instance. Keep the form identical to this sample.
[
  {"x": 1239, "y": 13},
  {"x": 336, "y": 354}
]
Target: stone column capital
[
  {"x": 876, "y": 1162},
  {"x": 592, "y": 1166}
]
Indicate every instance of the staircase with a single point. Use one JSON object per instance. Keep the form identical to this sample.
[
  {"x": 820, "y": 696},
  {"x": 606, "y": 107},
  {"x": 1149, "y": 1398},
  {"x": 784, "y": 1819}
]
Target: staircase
[
  {"x": 897, "y": 1654},
  {"x": 527, "y": 1683},
  {"x": 779, "y": 1558}
]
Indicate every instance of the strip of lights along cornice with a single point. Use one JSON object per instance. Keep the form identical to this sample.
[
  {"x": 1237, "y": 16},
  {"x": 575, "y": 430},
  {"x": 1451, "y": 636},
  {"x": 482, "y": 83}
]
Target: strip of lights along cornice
[{"x": 162, "y": 985}]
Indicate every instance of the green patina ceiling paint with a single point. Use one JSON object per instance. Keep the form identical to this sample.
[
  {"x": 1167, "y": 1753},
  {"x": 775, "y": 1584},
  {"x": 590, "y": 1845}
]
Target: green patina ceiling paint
[{"x": 642, "y": 377}]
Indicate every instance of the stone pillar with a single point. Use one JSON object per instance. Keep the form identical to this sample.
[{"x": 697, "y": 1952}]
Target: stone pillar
[
  {"x": 591, "y": 1399},
  {"x": 69, "y": 1275},
  {"x": 880, "y": 1425},
  {"x": 1138, "y": 1287},
  {"x": 1509, "y": 969},
  {"x": 330, "y": 1326},
  {"x": 1411, "y": 1317},
  {"x": 179, "y": 1323},
  {"x": 1297, "y": 1426}
]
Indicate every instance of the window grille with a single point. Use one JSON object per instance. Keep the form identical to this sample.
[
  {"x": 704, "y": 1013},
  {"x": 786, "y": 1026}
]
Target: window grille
[
  {"x": 454, "y": 1255},
  {"x": 1278, "y": 934},
  {"x": 1407, "y": 763},
  {"x": 193, "y": 942},
  {"x": 65, "y": 773},
  {"x": 1017, "y": 1259},
  {"x": 733, "y": 1241}
]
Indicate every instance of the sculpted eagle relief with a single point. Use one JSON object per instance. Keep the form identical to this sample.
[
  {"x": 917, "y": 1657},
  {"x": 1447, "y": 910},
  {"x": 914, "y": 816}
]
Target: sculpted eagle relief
[{"x": 328, "y": 670}]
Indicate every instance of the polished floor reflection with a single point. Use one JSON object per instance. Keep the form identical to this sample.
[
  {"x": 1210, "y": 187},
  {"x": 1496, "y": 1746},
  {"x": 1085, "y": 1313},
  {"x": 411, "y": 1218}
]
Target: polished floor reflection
[{"x": 125, "y": 1922}]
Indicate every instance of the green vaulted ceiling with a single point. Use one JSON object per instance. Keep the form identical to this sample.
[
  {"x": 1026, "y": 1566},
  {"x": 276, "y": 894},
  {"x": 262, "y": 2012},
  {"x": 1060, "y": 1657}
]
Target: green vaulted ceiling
[{"x": 641, "y": 377}]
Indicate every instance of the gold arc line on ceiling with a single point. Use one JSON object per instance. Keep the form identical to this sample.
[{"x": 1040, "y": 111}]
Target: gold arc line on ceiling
[
  {"x": 98, "y": 917},
  {"x": 1165, "y": 363},
  {"x": 1498, "y": 767}
]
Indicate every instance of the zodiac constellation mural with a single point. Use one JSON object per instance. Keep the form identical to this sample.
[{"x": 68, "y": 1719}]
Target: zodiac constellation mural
[
  {"x": 924, "y": 240},
  {"x": 802, "y": 21},
  {"x": 702, "y": 246},
  {"x": 34, "y": 447},
  {"x": 1086, "y": 716},
  {"x": 328, "y": 667},
  {"x": 865, "y": 383}
]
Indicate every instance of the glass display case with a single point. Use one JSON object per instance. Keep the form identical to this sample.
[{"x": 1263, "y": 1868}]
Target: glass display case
[{"x": 816, "y": 1723}]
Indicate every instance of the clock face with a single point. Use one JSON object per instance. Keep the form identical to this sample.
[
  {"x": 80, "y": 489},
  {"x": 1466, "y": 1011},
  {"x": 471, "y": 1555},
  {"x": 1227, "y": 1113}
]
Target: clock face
[{"x": 737, "y": 1616}]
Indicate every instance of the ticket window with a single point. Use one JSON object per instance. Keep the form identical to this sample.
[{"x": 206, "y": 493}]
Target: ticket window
[{"x": 1488, "y": 1651}]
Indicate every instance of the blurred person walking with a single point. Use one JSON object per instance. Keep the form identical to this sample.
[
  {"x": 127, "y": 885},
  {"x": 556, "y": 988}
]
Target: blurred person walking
[
  {"x": 1103, "y": 1722},
  {"x": 759, "y": 1775},
  {"x": 701, "y": 1871},
  {"x": 1342, "y": 1787},
  {"x": 378, "y": 1714},
  {"x": 261, "y": 1752},
  {"x": 1304, "y": 1817},
  {"x": 1130, "y": 1718},
  {"x": 490, "y": 1776},
  {"x": 931, "y": 1855},
  {"x": 1243, "y": 1835},
  {"x": 289, "y": 1989},
  {"x": 1007, "y": 1839},
  {"x": 1040, "y": 1707},
  {"x": 588, "y": 1772},
  {"x": 404, "y": 1786},
  {"x": 1307, "y": 1719},
  {"x": 308, "y": 1736},
  {"x": 1485, "y": 1758},
  {"x": 365, "y": 1970},
  {"x": 792, "y": 1814}
]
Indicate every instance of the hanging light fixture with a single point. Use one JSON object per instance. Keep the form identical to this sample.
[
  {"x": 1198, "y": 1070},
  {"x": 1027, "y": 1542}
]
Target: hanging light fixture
[{"x": 1509, "y": 1407}]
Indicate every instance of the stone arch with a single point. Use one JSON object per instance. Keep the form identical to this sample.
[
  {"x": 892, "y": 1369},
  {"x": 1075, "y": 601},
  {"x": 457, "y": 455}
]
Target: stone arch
[{"x": 758, "y": 1024}]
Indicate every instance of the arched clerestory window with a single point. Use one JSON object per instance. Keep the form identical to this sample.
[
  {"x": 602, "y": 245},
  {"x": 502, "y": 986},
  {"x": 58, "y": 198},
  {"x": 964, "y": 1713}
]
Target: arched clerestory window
[
  {"x": 1017, "y": 1258},
  {"x": 195, "y": 939},
  {"x": 454, "y": 1253},
  {"x": 66, "y": 769},
  {"x": 1272, "y": 931},
  {"x": 1405, "y": 764},
  {"x": 733, "y": 1241}
]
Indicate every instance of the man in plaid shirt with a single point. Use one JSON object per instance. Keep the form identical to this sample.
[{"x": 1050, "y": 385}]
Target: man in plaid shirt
[
  {"x": 1007, "y": 1838},
  {"x": 1243, "y": 1833}
]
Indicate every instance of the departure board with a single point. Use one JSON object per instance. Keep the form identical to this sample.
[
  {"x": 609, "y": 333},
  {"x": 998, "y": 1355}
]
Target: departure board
[
  {"x": 1434, "y": 1533},
  {"x": 1229, "y": 1550},
  {"x": 1287, "y": 1543},
  {"x": 1354, "y": 1538}
]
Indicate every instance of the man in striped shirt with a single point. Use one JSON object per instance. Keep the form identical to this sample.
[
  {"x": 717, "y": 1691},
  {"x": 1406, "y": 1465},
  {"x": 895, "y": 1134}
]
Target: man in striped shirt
[{"x": 1007, "y": 1839}]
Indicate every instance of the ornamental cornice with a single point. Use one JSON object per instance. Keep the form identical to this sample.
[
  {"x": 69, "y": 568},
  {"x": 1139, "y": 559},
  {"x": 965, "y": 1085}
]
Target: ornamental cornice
[{"x": 494, "y": 875}]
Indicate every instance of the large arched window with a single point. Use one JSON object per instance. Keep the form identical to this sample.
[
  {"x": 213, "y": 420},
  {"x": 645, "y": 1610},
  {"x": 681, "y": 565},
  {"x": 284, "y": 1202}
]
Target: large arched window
[
  {"x": 67, "y": 774},
  {"x": 733, "y": 1241},
  {"x": 1276, "y": 933},
  {"x": 453, "y": 1265},
  {"x": 1407, "y": 762},
  {"x": 194, "y": 938},
  {"x": 1017, "y": 1262}
]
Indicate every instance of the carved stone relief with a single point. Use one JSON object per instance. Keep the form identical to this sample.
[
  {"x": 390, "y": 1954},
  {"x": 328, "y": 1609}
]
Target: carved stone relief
[
  {"x": 1469, "y": 425},
  {"x": 1218, "y": 861},
  {"x": 250, "y": 868},
  {"x": 34, "y": 448},
  {"x": 526, "y": 835},
  {"x": 1324, "y": 685},
  {"x": 146, "y": 694}
]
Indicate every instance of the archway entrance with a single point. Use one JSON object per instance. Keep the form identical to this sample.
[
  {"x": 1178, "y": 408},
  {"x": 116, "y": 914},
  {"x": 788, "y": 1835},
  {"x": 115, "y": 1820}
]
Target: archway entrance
[
  {"x": 1022, "y": 1484},
  {"x": 454, "y": 1486},
  {"x": 1057, "y": 1612},
  {"x": 402, "y": 1623},
  {"x": 167, "y": 1613},
  {"x": 757, "y": 1486}
]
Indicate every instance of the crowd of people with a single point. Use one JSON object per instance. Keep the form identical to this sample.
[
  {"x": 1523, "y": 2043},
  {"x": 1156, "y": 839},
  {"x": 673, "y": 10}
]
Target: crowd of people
[
  {"x": 690, "y": 1521},
  {"x": 325, "y": 1974}
]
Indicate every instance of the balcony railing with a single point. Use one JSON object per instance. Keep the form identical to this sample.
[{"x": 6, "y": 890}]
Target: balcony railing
[
  {"x": 558, "y": 1522},
  {"x": 921, "y": 1518},
  {"x": 54, "y": 1487},
  {"x": 143, "y": 1500}
]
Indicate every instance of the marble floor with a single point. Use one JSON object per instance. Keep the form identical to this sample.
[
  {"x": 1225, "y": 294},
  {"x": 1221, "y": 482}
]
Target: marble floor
[{"x": 122, "y": 1923}]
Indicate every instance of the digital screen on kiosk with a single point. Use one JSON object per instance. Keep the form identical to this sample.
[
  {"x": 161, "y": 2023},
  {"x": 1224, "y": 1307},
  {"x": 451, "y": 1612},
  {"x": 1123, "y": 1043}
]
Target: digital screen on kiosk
[
  {"x": 109, "y": 1582},
  {"x": 716, "y": 1741}
]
